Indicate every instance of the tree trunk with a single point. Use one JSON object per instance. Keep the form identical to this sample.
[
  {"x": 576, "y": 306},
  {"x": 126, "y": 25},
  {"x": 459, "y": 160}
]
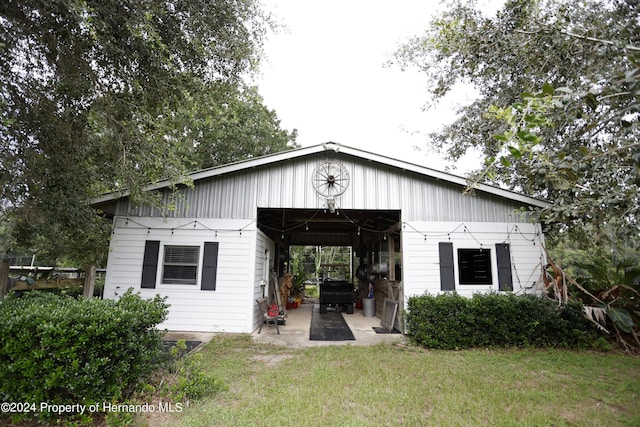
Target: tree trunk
[
  {"x": 89, "y": 281},
  {"x": 4, "y": 277}
]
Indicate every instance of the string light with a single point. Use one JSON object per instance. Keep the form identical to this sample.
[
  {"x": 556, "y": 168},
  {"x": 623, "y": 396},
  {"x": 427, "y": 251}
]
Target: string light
[
  {"x": 465, "y": 229},
  {"x": 195, "y": 224}
]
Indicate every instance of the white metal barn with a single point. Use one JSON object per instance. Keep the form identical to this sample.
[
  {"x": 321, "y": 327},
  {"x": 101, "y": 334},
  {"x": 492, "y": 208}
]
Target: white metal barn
[{"x": 409, "y": 226}]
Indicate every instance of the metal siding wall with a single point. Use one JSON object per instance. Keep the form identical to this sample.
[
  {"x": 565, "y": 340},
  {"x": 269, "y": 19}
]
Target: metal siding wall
[
  {"x": 372, "y": 186},
  {"x": 358, "y": 177},
  {"x": 262, "y": 243}
]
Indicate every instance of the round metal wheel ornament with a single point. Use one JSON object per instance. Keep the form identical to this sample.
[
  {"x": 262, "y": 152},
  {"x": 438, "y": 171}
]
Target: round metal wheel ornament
[{"x": 330, "y": 179}]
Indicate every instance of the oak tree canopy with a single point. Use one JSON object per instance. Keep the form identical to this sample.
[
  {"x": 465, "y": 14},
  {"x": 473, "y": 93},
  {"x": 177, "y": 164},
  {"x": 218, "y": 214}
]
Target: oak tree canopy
[
  {"x": 558, "y": 106},
  {"x": 105, "y": 95}
]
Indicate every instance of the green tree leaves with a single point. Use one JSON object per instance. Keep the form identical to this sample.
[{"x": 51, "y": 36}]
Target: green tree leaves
[
  {"x": 232, "y": 123},
  {"x": 557, "y": 115},
  {"x": 109, "y": 95}
]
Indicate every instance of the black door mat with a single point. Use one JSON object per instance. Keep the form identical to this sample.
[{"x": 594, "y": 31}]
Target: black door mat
[{"x": 329, "y": 326}]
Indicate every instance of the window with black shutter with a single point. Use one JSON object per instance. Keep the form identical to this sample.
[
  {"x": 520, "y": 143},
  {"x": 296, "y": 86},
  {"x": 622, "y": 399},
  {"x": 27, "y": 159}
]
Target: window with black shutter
[
  {"x": 503, "y": 258},
  {"x": 474, "y": 266},
  {"x": 150, "y": 264},
  {"x": 447, "y": 274},
  {"x": 180, "y": 265},
  {"x": 209, "y": 266}
]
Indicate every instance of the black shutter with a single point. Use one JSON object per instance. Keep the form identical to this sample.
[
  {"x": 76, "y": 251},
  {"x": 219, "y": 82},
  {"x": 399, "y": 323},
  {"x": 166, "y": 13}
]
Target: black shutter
[
  {"x": 209, "y": 266},
  {"x": 150, "y": 264},
  {"x": 447, "y": 276},
  {"x": 503, "y": 257}
]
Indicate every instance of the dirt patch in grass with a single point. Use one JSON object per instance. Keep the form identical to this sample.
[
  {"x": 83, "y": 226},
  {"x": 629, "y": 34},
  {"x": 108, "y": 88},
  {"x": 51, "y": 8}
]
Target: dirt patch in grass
[{"x": 271, "y": 360}]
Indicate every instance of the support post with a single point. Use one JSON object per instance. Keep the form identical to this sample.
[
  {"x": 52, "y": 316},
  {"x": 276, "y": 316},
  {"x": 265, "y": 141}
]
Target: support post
[
  {"x": 392, "y": 257},
  {"x": 89, "y": 281},
  {"x": 4, "y": 277}
]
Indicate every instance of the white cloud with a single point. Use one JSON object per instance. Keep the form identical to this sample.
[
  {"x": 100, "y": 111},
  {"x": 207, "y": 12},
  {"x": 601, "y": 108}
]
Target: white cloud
[{"x": 325, "y": 76}]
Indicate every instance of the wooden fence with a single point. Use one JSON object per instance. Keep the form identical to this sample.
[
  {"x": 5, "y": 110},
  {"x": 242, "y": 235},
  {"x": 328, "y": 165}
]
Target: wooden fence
[{"x": 24, "y": 278}]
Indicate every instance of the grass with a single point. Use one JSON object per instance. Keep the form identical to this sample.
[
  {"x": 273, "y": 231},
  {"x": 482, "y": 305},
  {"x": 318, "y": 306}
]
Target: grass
[{"x": 404, "y": 385}]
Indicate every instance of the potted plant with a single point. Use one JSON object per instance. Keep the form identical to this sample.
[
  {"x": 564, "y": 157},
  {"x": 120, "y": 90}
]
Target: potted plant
[{"x": 297, "y": 291}]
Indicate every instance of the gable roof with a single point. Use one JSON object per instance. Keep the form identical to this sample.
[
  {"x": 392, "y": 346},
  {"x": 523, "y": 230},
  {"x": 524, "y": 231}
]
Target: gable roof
[{"x": 338, "y": 148}]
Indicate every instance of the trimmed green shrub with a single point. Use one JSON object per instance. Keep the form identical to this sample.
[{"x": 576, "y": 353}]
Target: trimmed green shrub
[
  {"x": 450, "y": 321},
  {"x": 62, "y": 350},
  {"x": 435, "y": 320}
]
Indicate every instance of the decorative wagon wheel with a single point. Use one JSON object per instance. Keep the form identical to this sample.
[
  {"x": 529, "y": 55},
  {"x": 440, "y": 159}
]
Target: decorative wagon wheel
[{"x": 330, "y": 179}]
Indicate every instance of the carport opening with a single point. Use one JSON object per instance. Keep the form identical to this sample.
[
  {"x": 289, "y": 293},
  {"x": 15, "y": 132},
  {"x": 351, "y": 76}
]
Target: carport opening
[
  {"x": 360, "y": 247},
  {"x": 310, "y": 266}
]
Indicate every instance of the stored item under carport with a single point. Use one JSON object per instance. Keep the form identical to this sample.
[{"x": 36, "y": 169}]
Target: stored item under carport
[{"x": 336, "y": 293}]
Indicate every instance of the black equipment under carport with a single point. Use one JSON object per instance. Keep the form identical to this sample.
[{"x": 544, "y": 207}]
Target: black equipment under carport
[{"x": 336, "y": 292}]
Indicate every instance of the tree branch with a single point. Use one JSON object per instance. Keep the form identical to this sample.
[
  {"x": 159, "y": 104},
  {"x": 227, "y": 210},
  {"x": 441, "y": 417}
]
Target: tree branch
[{"x": 578, "y": 36}]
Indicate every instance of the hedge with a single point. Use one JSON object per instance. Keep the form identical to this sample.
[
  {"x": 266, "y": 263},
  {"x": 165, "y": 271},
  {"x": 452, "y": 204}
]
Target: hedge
[
  {"x": 62, "y": 350},
  {"x": 451, "y": 321}
]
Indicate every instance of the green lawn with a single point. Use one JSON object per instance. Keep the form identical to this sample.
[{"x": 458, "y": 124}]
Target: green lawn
[{"x": 404, "y": 385}]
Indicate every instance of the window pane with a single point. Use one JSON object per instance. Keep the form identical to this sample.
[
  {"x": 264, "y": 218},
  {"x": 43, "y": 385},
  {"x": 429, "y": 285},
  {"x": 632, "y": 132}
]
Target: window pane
[
  {"x": 474, "y": 266},
  {"x": 180, "y": 265},
  {"x": 181, "y": 254},
  {"x": 179, "y": 274}
]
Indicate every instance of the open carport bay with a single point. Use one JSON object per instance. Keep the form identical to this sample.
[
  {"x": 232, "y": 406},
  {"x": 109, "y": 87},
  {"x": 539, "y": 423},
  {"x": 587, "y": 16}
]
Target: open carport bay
[
  {"x": 296, "y": 332},
  {"x": 373, "y": 238}
]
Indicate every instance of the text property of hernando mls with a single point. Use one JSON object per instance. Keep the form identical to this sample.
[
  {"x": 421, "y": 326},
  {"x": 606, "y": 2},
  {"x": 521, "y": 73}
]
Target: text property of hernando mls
[{"x": 81, "y": 409}]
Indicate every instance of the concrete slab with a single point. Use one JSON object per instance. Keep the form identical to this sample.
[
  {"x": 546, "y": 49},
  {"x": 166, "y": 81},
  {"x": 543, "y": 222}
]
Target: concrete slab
[
  {"x": 204, "y": 337},
  {"x": 296, "y": 332}
]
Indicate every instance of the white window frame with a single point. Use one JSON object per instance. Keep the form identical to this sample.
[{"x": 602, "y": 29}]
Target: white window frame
[{"x": 191, "y": 281}]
